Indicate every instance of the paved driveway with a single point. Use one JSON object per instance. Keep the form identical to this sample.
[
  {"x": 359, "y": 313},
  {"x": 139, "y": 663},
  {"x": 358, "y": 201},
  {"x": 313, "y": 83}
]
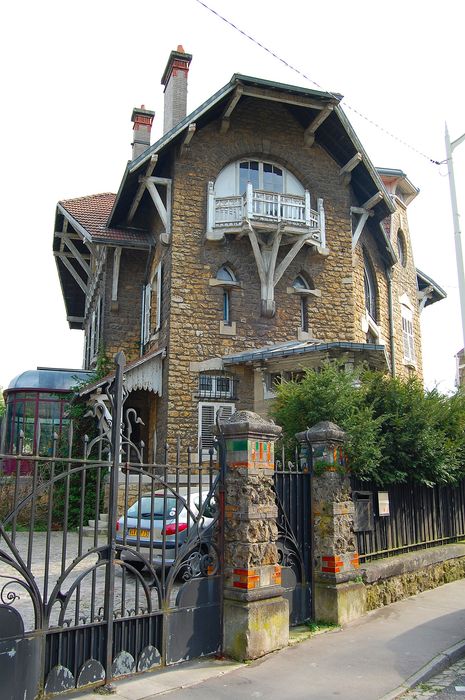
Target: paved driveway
[{"x": 85, "y": 582}]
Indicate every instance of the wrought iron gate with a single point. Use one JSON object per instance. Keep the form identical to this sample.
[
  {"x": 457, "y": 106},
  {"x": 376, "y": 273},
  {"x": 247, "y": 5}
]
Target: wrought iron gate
[
  {"x": 295, "y": 528},
  {"x": 82, "y": 604}
]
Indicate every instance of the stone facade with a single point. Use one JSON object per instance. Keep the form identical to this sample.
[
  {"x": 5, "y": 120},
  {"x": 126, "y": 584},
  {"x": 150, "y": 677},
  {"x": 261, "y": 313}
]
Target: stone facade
[
  {"x": 187, "y": 322},
  {"x": 256, "y": 616}
]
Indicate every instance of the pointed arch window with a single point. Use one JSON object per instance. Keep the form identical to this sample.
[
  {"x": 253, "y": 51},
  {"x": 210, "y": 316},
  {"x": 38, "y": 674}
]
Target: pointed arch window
[
  {"x": 228, "y": 278},
  {"x": 301, "y": 286},
  {"x": 370, "y": 288}
]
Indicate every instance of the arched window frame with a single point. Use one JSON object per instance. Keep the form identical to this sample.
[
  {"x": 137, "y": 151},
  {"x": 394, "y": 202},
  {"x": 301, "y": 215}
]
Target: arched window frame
[
  {"x": 401, "y": 248},
  {"x": 226, "y": 278},
  {"x": 370, "y": 288},
  {"x": 301, "y": 286},
  {"x": 231, "y": 174},
  {"x": 370, "y": 319}
]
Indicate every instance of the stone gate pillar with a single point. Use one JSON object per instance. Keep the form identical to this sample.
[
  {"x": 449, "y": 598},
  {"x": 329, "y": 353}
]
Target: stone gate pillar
[
  {"x": 339, "y": 594},
  {"x": 256, "y": 616}
]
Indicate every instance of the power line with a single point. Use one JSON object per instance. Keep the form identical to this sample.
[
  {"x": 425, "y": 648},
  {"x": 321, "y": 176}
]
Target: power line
[{"x": 310, "y": 80}]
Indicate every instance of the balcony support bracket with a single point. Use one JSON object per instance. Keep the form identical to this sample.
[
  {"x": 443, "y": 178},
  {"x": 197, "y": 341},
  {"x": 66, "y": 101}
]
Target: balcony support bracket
[{"x": 266, "y": 255}]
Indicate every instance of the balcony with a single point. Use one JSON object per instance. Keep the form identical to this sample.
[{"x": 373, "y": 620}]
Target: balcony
[{"x": 265, "y": 211}]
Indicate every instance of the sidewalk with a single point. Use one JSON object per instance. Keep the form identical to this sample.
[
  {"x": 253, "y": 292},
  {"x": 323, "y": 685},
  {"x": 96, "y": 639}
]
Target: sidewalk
[{"x": 377, "y": 657}]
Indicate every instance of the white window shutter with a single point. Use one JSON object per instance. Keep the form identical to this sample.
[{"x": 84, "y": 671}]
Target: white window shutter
[
  {"x": 159, "y": 282},
  {"x": 207, "y": 419},
  {"x": 146, "y": 307}
]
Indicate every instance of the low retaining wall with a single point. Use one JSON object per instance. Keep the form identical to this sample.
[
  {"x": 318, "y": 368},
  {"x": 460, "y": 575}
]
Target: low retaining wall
[{"x": 395, "y": 578}]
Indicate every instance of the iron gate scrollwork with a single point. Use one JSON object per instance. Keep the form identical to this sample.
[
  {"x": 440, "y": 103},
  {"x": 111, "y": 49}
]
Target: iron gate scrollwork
[
  {"x": 292, "y": 480},
  {"x": 82, "y": 604}
]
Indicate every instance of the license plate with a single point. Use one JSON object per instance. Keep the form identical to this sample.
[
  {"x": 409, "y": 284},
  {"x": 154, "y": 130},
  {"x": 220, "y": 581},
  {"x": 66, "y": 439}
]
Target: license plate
[{"x": 133, "y": 532}]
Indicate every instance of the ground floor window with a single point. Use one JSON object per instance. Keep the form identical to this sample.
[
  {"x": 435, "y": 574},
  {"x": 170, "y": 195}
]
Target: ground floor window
[{"x": 208, "y": 412}]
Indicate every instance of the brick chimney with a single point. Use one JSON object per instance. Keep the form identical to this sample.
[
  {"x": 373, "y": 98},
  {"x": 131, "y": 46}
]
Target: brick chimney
[
  {"x": 175, "y": 81},
  {"x": 142, "y": 119}
]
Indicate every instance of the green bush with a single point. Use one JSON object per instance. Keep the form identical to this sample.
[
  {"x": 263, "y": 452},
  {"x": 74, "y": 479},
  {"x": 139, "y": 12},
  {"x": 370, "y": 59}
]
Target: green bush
[{"x": 395, "y": 430}]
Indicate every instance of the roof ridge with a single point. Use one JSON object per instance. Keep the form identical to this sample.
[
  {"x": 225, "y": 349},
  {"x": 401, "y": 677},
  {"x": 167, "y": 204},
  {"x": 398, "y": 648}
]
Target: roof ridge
[{"x": 88, "y": 196}]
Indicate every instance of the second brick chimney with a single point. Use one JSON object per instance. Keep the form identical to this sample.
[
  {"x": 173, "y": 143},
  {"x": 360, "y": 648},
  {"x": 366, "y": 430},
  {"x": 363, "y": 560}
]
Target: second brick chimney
[
  {"x": 142, "y": 119},
  {"x": 175, "y": 81}
]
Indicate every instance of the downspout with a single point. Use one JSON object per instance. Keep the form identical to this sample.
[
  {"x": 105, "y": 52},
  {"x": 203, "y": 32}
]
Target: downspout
[{"x": 391, "y": 321}]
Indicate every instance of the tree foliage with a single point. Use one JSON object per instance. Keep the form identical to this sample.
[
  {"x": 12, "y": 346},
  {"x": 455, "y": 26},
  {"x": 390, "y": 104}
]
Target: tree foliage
[{"x": 395, "y": 430}]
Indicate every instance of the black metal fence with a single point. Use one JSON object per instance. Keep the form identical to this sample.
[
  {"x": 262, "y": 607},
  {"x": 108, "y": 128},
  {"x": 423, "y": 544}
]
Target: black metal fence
[
  {"x": 108, "y": 565},
  {"x": 403, "y": 517},
  {"x": 292, "y": 481}
]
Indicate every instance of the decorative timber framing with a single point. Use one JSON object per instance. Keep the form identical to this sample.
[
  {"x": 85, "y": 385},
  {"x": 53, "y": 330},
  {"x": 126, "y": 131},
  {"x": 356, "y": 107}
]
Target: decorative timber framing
[
  {"x": 266, "y": 253},
  {"x": 364, "y": 211},
  {"x": 363, "y": 215},
  {"x": 310, "y": 131},
  {"x": 151, "y": 184},
  {"x": 225, "y": 123},
  {"x": 141, "y": 189},
  {"x": 187, "y": 138},
  {"x": 423, "y": 296},
  {"x": 69, "y": 251},
  {"x": 346, "y": 171}
]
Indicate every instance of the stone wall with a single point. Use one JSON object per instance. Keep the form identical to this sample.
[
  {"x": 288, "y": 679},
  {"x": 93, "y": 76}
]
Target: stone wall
[
  {"x": 197, "y": 312},
  {"x": 395, "y": 578},
  {"x": 404, "y": 281},
  {"x": 122, "y": 319}
]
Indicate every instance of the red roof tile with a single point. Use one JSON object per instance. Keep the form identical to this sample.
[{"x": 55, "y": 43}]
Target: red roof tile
[{"x": 92, "y": 213}]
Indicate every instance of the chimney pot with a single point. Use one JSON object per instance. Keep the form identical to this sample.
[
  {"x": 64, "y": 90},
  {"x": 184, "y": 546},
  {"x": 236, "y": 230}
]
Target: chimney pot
[
  {"x": 174, "y": 79},
  {"x": 142, "y": 120}
]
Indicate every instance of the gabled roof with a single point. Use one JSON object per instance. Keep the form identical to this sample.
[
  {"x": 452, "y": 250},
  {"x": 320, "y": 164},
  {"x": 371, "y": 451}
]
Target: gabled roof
[
  {"x": 335, "y": 135},
  {"x": 89, "y": 215},
  {"x": 84, "y": 219},
  {"x": 426, "y": 284}
]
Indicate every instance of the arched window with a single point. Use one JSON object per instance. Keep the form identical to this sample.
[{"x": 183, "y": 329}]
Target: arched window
[
  {"x": 269, "y": 177},
  {"x": 401, "y": 248},
  {"x": 370, "y": 288},
  {"x": 302, "y": 286},
  {"x": 226, "y": 275}
]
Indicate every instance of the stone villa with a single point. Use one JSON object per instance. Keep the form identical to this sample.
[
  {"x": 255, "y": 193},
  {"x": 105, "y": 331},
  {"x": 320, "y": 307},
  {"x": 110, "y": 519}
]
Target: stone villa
[{"x": 253, "y": 239}]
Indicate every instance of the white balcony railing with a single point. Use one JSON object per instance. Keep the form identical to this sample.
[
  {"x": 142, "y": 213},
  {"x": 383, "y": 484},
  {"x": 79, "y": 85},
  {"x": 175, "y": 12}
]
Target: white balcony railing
[{"x": 257, "y": 205}]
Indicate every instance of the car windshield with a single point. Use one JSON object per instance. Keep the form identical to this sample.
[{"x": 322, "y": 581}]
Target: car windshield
[{"x": 161, "y": 507}]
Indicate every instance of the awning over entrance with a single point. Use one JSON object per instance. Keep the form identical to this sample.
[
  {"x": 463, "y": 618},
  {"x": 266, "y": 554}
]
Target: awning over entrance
[
  {"x": 310, "y": 353},
  {"x": 144, "y": 373}
]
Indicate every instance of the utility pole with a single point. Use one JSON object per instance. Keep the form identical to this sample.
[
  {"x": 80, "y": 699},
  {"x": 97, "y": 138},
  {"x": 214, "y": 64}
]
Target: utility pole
[{"x": 450, "y": 146}]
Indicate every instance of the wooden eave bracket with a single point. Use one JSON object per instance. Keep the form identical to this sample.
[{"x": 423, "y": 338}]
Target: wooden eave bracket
[
  {"x": 373, "y": 201},
  {"x": 187, "y": 138},
  {"x": 225, "y": 123},
  {"x": 68, "y": 251},
  {"x": 364, "y": 214},
  {"x": 141, "y": 189},
  {"x": 423, "y": 296},
  {"x": 83, "y": 284},
  {"x": 152, "y": 184},
  {"x": 310, "y": 131},
  {"x": 346, "y": 171}
]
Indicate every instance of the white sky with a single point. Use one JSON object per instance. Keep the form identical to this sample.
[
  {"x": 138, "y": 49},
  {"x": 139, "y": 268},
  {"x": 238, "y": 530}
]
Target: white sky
[{"x": 73, "y": 71}]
